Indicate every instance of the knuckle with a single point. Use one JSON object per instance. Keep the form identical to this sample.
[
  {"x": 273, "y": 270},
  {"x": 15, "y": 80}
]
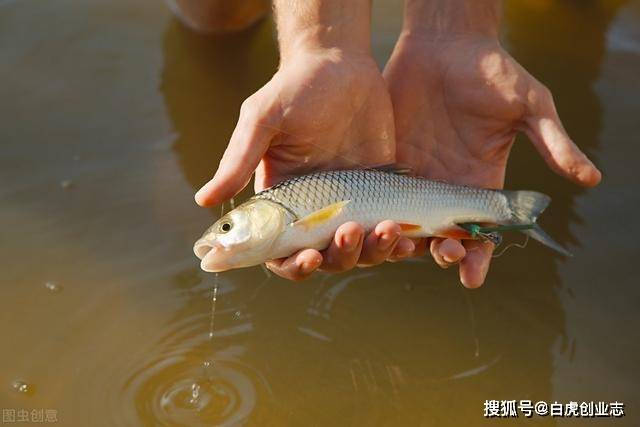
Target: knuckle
[
  {"x": 546, "y": 96},
  {"x": 540, "y": 97},
  {"x": 248, "y": 107}
]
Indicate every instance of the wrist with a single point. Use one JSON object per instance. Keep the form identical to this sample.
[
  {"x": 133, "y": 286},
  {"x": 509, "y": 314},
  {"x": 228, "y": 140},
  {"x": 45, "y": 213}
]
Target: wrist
[
  {"x": 452, "y": 19},
  {"x": 329, "y": 25}
]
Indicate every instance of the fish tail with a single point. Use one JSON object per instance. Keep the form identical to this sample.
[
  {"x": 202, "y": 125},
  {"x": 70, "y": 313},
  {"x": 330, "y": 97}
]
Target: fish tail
[{"x": 526, "y": 206}]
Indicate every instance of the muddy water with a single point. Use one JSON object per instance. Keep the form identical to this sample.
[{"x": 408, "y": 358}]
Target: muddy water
[{"x": 111, "y": 115}]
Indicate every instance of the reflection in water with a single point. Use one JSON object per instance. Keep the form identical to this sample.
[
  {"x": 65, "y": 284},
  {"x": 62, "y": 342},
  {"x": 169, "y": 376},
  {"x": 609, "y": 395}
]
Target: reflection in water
[{"x": 204, "y": 81}]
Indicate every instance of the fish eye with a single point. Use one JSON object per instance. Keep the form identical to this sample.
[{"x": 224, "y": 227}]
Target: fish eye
[{"x": 225, "y": 226}]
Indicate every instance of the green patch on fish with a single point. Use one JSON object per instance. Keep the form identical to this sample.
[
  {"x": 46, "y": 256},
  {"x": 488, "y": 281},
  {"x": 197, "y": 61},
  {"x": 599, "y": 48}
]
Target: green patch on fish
[{"x": 305, "y": 211}]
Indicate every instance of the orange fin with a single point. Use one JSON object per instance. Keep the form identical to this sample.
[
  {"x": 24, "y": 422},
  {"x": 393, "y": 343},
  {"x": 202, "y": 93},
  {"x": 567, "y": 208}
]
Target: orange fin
[
  {"x": 409, "y": 228},
  {"x": 454, "y": 232},
  {"x": 321, "y": 216}
]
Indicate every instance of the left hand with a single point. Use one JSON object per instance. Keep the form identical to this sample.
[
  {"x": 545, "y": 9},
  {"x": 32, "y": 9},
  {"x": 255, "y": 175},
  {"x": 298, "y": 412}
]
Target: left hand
[{"x": 458, "y": 104}]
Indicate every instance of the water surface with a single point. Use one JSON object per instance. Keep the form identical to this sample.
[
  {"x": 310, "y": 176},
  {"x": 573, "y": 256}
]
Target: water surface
[{"x": 112, "y": 114}]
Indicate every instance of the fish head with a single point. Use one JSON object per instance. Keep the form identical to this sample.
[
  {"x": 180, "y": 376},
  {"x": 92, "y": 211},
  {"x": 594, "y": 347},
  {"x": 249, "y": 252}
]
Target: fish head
[{"x": 241, "y": 238}]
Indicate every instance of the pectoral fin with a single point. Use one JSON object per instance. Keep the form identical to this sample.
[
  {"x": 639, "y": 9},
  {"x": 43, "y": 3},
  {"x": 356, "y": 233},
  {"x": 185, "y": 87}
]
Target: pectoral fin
[
  {"x": 454, "y": 232},
  {"x": 410, "y": 230},
  {"x": 321, "y": 216}
]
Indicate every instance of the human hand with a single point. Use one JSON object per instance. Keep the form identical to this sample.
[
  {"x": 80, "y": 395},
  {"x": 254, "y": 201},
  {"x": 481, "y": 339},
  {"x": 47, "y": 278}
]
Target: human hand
[
  {"x": 459, "y": 99},
  {"x": 327, "y": 107}
]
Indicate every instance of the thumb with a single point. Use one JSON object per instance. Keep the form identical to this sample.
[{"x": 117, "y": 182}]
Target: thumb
[
  {"x": 544, "y": 128},
  {"x": 249, "y": 142}
]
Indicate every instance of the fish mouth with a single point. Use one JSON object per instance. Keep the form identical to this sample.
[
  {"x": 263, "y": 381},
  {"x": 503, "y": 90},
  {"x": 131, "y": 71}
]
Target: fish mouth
[
  {"x": 202, "y": 247},
  {"x": 211, "y": 255}
]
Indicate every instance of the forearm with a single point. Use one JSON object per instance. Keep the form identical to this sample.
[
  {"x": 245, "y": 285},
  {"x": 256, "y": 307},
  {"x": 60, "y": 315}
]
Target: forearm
[
  {"x": 323, "y": 24},
  {"x": 452, "y": 18}
]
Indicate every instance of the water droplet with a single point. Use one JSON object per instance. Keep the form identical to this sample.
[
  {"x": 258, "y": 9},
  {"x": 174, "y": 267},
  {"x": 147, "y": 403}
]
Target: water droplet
[
  {"x": 66, "y": 184},
  {"x": 214, "y": 297},
  {"x": 22, "y": 387},
  {"x": 53, "y": 287},
  {"x": 195, "y": 393}
]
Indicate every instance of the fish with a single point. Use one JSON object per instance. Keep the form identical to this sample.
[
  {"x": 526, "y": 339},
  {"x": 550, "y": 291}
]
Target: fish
[{"x": 305, "y": 211}]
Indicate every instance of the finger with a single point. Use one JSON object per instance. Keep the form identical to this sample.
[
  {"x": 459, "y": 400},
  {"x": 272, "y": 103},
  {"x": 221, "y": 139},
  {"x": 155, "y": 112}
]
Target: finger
[
  {"x": 544, "y": 128},
  {"x": 447, "y": 252},
  {"x": 248, "y": 144},
  {"x": 379, "y": 244},
  {"x": 405, "y": 248},
  {"x": 344, "y": 251},
  {"x": 298, "y": 266},
  {"x": 475, "y": 265},
  {"x": 421, "y": 246}
]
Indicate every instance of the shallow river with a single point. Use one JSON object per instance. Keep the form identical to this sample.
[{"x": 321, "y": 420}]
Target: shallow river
[{"x": 112, "y": 114}]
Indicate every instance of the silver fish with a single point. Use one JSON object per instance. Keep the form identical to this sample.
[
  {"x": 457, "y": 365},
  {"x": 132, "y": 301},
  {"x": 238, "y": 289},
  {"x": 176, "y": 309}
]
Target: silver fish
[{"x": 305, "y": 211}]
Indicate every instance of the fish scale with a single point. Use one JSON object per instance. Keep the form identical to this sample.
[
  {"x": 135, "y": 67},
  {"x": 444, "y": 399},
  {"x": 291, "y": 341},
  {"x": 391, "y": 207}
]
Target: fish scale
[{"x": 380, "y": 190}]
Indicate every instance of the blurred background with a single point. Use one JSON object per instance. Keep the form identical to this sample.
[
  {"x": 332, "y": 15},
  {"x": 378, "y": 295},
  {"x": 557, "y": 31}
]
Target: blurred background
[{"x": 112, "y": 114}]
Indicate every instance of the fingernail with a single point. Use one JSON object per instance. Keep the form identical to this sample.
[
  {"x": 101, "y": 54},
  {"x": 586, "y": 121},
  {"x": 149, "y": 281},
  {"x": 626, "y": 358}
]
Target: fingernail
[
  {"x": 349, "y": 242},
  {"x": 449, "y": 260}
]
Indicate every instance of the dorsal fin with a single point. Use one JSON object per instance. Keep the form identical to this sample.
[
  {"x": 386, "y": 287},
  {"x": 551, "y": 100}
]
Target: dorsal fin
[{"x": 394, "y": 168}]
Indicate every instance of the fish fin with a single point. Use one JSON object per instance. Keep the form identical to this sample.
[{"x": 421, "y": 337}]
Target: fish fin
[
  {"x": 541, "y": 236},
  {"x": 321, "y": 216},
  {"x": 454, "y": 232},
  {"x": 409, "y": 229},
  {"x": 394, "y": 169},
  {"x": 526, "y": 206}
]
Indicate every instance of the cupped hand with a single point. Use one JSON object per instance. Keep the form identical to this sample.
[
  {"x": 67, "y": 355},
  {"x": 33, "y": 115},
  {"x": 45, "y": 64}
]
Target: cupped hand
[
  {"x": 458, "y": 104},
  {"x": 323, "y": 109}
]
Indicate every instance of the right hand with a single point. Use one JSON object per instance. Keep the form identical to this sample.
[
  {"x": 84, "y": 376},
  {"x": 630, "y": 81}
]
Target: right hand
[
  {"x": 459, "y": 102},
  {"x": 325, "y": 108}
]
